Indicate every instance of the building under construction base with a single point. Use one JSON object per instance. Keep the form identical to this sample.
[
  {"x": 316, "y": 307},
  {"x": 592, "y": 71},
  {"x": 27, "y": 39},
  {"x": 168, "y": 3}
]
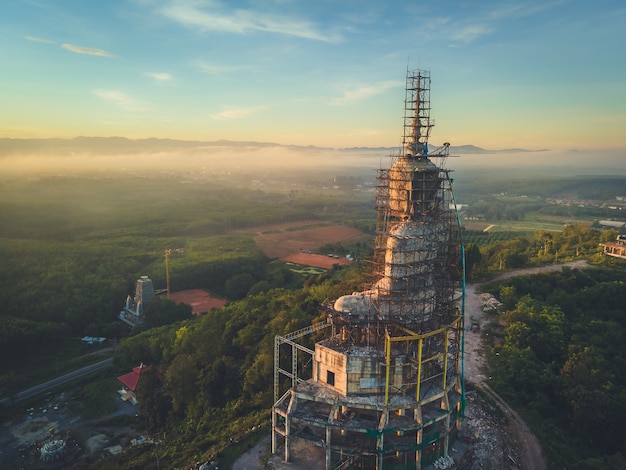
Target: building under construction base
[{"x": 384, "y": 389}]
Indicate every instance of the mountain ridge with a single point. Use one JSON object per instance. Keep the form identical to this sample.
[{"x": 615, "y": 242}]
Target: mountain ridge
[{"x": 114, "y": 144}]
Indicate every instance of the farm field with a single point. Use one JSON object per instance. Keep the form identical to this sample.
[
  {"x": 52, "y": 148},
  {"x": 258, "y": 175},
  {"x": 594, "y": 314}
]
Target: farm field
[
  {"x": 512, "y": 225},
  {"x": 199, "y": 300},
  {"x": 280, "y": 240}
]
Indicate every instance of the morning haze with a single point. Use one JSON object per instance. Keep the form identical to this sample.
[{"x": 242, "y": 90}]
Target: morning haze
[
  {"x": 234, "y": 151},
  {"x": 118, "y": 155}
]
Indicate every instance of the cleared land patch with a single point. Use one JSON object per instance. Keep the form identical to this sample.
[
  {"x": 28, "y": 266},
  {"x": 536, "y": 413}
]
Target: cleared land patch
[
  {"x": 278, "y": 241},
  {"x": 200, "y": 300}
]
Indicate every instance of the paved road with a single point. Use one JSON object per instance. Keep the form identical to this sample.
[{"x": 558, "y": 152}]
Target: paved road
[{"x": 49, "y": 385}]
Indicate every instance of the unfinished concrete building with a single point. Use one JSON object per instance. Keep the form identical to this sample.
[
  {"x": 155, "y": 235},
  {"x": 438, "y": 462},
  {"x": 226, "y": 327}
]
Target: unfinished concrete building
[
  {"x": 386, "y": 385},
  {"x": 135, "y": 307}
]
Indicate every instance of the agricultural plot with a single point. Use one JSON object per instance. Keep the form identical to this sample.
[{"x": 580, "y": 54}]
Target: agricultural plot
[
  {"x": 278, "y": 241},
  {"x": 200, "y": 300},
  {"x": 512, "y": 225}
]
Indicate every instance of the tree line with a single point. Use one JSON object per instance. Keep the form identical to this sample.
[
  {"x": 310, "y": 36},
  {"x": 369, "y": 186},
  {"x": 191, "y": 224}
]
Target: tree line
[
  {"x": 72, "y": 249},
  {"x": 542, "y": 247},
  {"x": 558, "y": 355}
]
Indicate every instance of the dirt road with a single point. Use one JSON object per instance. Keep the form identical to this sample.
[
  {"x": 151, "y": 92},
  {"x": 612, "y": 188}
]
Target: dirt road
[{"x": 474, "y": 363}]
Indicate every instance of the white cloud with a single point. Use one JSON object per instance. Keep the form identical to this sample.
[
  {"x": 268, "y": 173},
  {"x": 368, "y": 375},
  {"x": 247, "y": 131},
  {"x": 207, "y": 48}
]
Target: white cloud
[
  {"x": 364, "y": 92},
  {"x": 118, "y": 98},
  {"x": 218, "y": 69},
  {"x": 210, "y": 16},
  {"x": 489, "y": 21},
  {"x": 86, "y": 50},
  {"x": 523, "y": 11},
  {"x": 160, "y": 76},
  {"x": 236, "y": 113},
  {"x": 37, "y": 39},
  {"x": 470, "y": 32}
]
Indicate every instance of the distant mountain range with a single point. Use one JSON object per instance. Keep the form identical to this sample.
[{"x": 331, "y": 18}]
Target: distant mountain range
[{"x": 123, "y": 145}]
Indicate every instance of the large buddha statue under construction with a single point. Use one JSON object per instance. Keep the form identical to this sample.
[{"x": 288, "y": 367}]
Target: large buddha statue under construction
[{"x": 387, "y": 385}]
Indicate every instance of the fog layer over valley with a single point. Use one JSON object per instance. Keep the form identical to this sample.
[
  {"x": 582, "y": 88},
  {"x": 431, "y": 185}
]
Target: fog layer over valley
[{"x": 116, "y": 154}]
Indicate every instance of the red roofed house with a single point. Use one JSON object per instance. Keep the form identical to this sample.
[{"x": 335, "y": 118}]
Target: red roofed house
[{"x": 130, "y": 382}]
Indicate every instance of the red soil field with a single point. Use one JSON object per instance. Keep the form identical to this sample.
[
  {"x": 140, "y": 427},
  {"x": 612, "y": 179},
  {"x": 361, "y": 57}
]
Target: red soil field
[
  {"x": 200, "y": 300},
  {"x": 278, "y": 241}
]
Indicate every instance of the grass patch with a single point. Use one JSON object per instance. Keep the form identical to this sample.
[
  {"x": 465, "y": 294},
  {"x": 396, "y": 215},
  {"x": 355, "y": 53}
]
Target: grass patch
[
  {"x": 98, "y": 398},
  {"x": 524, "y": 226},
  {"x": 220, "y": 247},
  {"x": 308, "y": 270}
]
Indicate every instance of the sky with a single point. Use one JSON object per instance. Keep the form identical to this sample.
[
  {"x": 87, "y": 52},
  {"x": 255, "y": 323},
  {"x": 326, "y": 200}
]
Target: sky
[{"x": 529, "y": 74}]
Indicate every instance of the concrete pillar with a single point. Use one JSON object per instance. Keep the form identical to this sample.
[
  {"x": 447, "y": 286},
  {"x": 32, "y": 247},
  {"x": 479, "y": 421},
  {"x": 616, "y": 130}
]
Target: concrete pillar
[
  {"x": 274, "y": 436},
  {"x": 287, "y": 437},
  {"x": 329, "y": 462},
  {"x": 291, "y": 408},
  {"x": 417, "y": 415},
  {"x": 445, "y": 405}
]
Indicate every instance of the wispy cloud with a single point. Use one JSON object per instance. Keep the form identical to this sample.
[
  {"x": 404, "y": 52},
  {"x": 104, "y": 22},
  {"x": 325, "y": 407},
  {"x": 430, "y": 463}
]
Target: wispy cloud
[
  {"x": 219, "y": 69},
  {"x": 471, "y": 32},
  {"x": 72, "y": 47},
  {"x": 37, "y": 39},
  {"x": 490, "y": 20},
  {"x": 160, "y": 76},
  {"x": 87, "y": 50},
  {"x": 119, "y": 98},
  {"x": 364, "y": 92},
  {"x": 212, "y": 16},
  {"x": 236, "y": 113},
  {"x": 522, "y": 11}
]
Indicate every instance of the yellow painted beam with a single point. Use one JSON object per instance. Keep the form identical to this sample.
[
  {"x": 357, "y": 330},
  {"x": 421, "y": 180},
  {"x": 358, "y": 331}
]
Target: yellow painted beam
[{"x": 419, "y": 369}]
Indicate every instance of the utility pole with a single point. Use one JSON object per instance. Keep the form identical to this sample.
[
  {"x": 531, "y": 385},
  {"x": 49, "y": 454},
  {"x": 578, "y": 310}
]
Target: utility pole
[
  {"x": 156, "y": 449},
  {"x": 167, "y": 272}
]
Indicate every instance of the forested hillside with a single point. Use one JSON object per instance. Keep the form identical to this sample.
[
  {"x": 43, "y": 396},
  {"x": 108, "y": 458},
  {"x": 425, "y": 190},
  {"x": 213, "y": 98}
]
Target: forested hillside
[
  {"x": 210, "y": 379},
  {"x": 558, "y": 355},
  {"x": 73, "y": 247}
]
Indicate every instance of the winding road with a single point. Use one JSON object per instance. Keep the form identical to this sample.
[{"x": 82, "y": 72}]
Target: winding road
[{"x": 474, "y": 366}]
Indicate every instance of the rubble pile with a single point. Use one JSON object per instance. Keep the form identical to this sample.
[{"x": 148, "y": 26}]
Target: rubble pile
[
  {"x": 444, "y": 463},
  {"x": 487, "y": 433},
  {"x": 489, "y": 304}
]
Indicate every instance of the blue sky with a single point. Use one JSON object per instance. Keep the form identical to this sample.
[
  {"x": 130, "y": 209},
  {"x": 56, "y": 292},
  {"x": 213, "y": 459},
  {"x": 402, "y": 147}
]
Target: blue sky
[{"x": 532, "y": 74}]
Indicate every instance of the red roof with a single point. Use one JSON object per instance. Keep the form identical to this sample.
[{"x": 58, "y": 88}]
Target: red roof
[{"x": 131, "y": 379}]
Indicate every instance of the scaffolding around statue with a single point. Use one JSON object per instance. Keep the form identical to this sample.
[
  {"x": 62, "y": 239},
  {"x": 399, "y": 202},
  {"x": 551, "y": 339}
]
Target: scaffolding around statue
[{"x": 385, "y": 386}]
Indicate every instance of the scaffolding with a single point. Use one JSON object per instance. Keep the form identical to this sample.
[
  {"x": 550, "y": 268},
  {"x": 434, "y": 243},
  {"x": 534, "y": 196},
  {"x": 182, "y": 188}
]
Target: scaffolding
[{"x": 386, "y": 387}]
